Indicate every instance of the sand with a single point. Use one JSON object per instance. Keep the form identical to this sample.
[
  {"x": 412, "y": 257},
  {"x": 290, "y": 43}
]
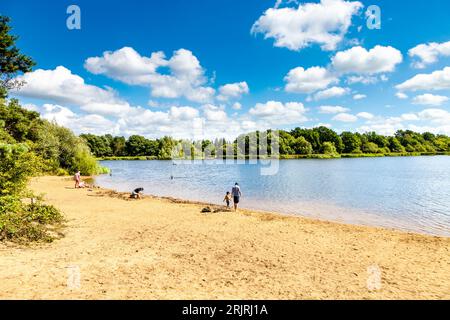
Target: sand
[{"x": 159, "y": 249}]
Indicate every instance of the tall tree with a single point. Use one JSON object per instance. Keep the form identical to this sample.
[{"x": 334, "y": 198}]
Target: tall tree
[{"x": 12, "y": 61}]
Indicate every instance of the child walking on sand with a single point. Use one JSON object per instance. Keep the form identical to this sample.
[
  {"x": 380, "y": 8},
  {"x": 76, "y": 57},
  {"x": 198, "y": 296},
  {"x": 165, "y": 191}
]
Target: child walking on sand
[{"x": 227, "y": 199}]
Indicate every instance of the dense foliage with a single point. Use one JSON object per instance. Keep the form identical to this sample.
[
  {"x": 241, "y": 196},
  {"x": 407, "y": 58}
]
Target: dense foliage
[
  {"x": 58, "y": 149},
  {"x": 30, "y": 146},
  {"x": 297, "y": 142}
]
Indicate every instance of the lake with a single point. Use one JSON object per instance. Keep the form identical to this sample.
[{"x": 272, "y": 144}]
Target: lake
[{"x": 407, "y": 193}]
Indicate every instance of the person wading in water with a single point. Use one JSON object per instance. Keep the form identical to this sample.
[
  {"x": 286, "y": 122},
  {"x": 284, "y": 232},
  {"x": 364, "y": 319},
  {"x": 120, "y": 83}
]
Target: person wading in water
[{"x": 236, "y": 193}]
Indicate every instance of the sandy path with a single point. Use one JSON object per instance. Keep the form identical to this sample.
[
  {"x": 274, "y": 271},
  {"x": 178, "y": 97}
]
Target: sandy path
[{"x": 155, "y": 249}]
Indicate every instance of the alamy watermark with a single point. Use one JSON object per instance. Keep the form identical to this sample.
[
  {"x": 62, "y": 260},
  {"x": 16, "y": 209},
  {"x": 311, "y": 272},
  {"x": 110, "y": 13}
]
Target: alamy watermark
[
  {"x": 258, "y": 148},
  {"x": 373, "y": 15},
  {"x": 73, "y": 22},
  {"x": 373, "y": 278},
  {"x": 73, "y": 277}
]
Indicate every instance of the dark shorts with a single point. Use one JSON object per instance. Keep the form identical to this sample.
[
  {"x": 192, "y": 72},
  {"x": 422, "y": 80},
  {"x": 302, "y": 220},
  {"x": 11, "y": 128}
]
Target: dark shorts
[{"x": 236, "y": 199}]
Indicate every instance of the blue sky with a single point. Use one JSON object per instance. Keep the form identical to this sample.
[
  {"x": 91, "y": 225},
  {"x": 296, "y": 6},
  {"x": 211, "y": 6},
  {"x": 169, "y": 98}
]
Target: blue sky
[{"x": 225, "y": 67}]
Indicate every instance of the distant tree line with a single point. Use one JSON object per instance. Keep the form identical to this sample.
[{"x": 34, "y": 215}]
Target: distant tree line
[{"x": 297, "y": 142}]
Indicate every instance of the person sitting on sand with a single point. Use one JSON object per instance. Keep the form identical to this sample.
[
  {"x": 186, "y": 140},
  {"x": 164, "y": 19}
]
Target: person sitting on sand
[
  {"x": 83, "y": 185},
  {"x": 136, "y": 194},
  {"x": 77, "y": 179},
  {"x": 227, "y": 199},
  {"x": 236, "y": 193}
]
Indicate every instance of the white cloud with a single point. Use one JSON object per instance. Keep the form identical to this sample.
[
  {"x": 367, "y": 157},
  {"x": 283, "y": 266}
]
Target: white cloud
[
  {"x": 233, "y": 91},
  {"x": 401, "y": 95},
  {"x": 362, "y": 79},
  {"x": 60, "y": 86},
  {"x": 332, "y": 92},
  {"x": 237, "y": 106},
  {"x": 359, "y": 96},
  {"x": 438, "y": 80},
  {"x": 361, "y": 61},
  {"x": 433, "y": 120},
  {"x": 438, "y": 116},
  {"x": 183, "y": 113},
  {"x": 63, "y": 116},
  {"x": 214, "y": 113},
  {"x": 278, "y": 113},
  {"x": 126, "y": 65},
  {"x": 332, "y": 109},
  {"x": 299, "y": 80},
  {"x": 430, "y": 100},
  {"x": 365, "y": 115},
  {"x": 429, "y": 53},
  {"x": 345, "y": 117},
  {"x": 324, "y": 23},
  {"x": 186, "y": 77}
]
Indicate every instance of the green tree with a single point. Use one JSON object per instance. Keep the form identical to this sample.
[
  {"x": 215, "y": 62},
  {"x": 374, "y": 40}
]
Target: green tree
[
  {"x": 166, "y": 147},
  {"x": 329, "y": 148},
  {"x": 12, "y": 61},
  {"x": 395, "y": 145},
  {"x": 301, "y": 146},
  {"x": 17, "y": 164},
  {"x": 328, "y": 135},
  {"x": 351, "y": 141},
  {"x": 370, "y": 147},
  {"x": 118, "y": 146}
]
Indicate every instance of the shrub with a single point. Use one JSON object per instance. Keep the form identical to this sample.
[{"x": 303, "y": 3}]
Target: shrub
[
  {"x": 17, "y": 164},
  {"x": 20, "y": 222},
  {"x": 329, "y": 148}
]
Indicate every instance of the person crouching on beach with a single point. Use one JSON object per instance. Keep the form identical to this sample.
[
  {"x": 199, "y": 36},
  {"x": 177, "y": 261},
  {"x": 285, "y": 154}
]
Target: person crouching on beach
[
  {"x": 227, "y": 199},
  {"x": 136, "y": 194},
  {"x": 236, "y": 193},
  {"x": 77, "y": 179}
]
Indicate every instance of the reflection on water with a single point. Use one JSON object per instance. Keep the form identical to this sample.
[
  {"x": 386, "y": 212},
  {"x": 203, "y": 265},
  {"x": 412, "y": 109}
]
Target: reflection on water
[{"x": 405, "y": 193}]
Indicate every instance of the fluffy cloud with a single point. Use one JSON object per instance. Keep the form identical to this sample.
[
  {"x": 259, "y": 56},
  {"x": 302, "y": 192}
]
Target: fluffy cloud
[
  {"x": 359, "y": 96},
  {"x": 237, "y": 106},
  {"x": 361, "y": 61},
  {"x": 126, "y": 65},
  {"x": 332, "y": 109},
  {"x": 401, "y": 95},
  {"x": 233, "y": 91},
  {"x": 214, "y": 113},
  {"x": 186, "y": 77},
  {"x": 345, "y": 117},
  {"x": 438, "y": 80},
  {"x": 332, "y": 92},
  {"x": 362, "y": 79},
  {"x": 430, "y": 100},
  {"x": 429, "y": 120},
  {"x": 92, "y": 123},
  {"x": 324, "y": 23},
  {"x": 60, "y": 86},
  {"x": 438, "y": 116},
  {"x": 299, "y": 80},
  {"x": 278, "y": 113},
  {"x": 365, "y": 115},
  {"x": 429, "y": 53}
]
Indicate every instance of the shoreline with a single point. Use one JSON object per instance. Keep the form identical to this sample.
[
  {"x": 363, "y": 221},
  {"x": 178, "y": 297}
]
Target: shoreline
[
  {"x": 281, "y": 214},
  {"x": 285, "y": 157},
  {"x": 165, "y": 248}
]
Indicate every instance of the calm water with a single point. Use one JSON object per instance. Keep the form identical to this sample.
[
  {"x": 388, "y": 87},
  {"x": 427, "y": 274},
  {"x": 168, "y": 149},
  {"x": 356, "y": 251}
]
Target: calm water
[{"x": 405, "y": 193}]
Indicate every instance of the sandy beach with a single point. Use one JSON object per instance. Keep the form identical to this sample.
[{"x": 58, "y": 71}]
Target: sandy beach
[{"x": 114, "y": 248}]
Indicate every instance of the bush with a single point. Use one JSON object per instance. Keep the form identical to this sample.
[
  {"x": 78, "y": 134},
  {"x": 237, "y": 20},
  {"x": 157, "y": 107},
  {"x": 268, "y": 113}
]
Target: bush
[
  {"x": 17, "y": 164},
  {"x": 20, "y": 222},
  {"x": 329, "y": 148}
]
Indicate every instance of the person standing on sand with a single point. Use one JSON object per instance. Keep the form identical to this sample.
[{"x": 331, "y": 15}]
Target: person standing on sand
[
  {"x": 77, "y": 178},
  {"x": 236, "y": 193}
]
